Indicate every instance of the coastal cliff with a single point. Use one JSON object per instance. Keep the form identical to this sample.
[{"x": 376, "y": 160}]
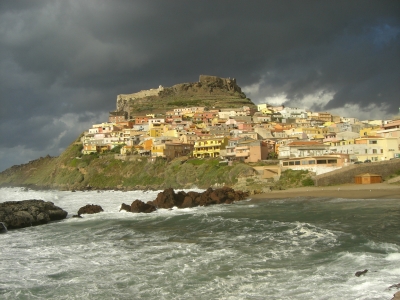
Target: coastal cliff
[{"x": 74, "y": 171}]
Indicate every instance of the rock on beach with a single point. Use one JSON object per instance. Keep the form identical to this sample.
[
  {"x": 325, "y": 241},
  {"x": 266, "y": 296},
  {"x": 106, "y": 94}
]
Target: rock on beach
[{"x": 19, "y": 214}]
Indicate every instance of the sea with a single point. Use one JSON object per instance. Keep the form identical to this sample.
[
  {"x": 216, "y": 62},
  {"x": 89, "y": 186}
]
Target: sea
[{"x": 296, "y": 248}]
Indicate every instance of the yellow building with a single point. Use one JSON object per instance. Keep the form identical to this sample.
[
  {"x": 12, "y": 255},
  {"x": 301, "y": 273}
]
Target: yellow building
[
  {"x": 156, "y": 131},
  {"x": 88, "y": 149},
  {"x": 172, "y": 133},
  {"x": 210, "y": 147},
  {"x": 157, "y": 150},
  {"x": 371, "y": 131},
  {"x": 266, "y": 111},
  {"x": 377, "y": 148}
]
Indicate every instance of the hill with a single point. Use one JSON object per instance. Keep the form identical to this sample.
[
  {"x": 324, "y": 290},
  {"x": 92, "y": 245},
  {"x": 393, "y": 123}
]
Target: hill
[
  {"x": 211, "y": 92},
  {"x": 74, "y": 171}
]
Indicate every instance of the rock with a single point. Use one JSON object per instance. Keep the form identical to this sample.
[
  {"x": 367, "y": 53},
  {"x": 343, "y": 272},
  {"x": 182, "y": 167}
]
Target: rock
[
  {"x": 138, "y": 206},
  {"x": 19, "y": 214},
  {"x": 3, "y": 228},
  {"x": 359, "y": 273},
  {"x": 396, "y": 296},
  {"x": 90, "y": 209},
  {"x": 169, "y": 199},
  {"x": 125, "y": 207},
  {"x": 397, "y": 286}
]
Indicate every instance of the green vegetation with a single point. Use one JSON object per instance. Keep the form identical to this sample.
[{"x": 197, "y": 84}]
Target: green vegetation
[
  {"x": 185, "y": 102},
  {"x": 308, "y": 182},
  {"x": 293, "y": 178},
  {"x": 72, "y": 170}
]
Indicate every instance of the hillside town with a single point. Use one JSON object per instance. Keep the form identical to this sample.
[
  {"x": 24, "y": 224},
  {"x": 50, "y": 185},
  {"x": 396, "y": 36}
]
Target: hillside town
[{"x": 297, "y": 138}]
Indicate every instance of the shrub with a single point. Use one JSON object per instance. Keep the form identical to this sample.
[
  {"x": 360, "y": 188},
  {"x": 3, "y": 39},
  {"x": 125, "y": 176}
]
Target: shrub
[{"x": 308, "y": 182}]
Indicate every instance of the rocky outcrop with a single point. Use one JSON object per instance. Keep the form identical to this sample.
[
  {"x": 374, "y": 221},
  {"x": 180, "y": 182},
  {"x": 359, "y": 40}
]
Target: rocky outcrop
[
  {"x": 209, "y": 91},
  {"x": 169, "y": 199},
  {"x": 138, "y": 206},
  {"x": 90, "y": 209},
  {"x": 359, "y": 273},
  {"x": 3, "y": 228},
  {"x": 19, "y": 214}
]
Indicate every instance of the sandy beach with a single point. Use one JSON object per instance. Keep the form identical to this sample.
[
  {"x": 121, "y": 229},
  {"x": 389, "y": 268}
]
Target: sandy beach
[{"x": 351, "y": 191}]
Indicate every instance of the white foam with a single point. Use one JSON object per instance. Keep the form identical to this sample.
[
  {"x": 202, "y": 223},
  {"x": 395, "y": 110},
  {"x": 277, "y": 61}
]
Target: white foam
[
  {"x": 224, "y": 253},
  {"x": 393, "y": 257}
]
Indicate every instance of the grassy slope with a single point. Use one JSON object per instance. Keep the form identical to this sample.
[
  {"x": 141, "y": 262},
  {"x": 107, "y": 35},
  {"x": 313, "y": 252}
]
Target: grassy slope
[{"x": 71, "y": 170}]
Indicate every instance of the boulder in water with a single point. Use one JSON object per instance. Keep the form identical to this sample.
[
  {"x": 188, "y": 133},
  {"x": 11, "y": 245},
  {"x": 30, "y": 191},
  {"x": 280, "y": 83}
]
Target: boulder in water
[
  {"x": 138, "y": 206},
  {"x": 169, "y": 199},
  {"x": 3, "y": 228},
  {"x": 397, "y": 286},
  {"x": 90, "y": 209},
  {"x": 359, "y": 273},
  {"x": 19, "y": 214}
]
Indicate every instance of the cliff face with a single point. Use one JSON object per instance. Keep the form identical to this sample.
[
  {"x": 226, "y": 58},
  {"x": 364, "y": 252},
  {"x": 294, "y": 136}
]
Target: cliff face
[{"x": 209, "y": 91}]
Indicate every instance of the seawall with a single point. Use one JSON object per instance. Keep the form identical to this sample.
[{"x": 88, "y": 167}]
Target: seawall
[{"x": 347, "y": 174}]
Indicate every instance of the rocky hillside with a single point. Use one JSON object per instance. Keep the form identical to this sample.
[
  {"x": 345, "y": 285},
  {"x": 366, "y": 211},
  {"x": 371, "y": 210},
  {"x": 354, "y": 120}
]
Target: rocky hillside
[
  {"x": 209, "y": 91},
  {"x": 74, "y": 171}
]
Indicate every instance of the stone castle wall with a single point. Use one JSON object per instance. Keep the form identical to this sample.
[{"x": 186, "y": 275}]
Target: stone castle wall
[{"x": 123, "y": 98}]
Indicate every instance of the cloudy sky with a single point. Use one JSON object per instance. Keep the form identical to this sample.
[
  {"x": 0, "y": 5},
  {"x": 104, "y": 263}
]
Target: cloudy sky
[{"x": 63, "y": 63}]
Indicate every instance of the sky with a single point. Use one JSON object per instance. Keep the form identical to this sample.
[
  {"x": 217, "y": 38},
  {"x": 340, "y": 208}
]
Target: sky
[{"x": 63, "y": 62}]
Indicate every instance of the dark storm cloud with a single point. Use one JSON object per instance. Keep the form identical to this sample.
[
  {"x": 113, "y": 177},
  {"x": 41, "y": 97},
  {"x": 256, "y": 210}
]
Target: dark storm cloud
[{"x": 62, "y": 63}]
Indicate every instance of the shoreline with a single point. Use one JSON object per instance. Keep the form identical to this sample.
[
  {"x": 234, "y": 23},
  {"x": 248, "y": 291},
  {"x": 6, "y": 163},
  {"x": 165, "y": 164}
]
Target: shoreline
[{"x": 350, "y": 191}]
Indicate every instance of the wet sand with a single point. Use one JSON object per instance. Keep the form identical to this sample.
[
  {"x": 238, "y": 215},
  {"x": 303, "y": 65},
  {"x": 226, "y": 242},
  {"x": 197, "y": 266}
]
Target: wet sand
[{"x": 349, "y": 191}]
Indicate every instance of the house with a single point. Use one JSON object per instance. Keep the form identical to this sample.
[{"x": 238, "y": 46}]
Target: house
[
  {"x": 247, "y": 150},
  {"x": 157, "y": 150},
  {"x": 293, "y": 112},
  {"x": 117, "y": 116},
  {"x": 221, "y": 130},
  {"x": 209, "y": 147},
  {"x": 173, "y": 150},
  {"x": 127, "y": 150},
  {"x": 302, "y": 149},
  {"x": 258, "y": 118},
  {"x": 157, "y": 130},
  {"x": 144, "y": 148},
  {"x": 377, "y": 148},
  {"x": 317, "y": 164},
  {"x": 230, "y": 149},
  {"x": 141, "y": 120},
  {"x": 88, "y": 149},
  {"x": 141, "y": 127}
]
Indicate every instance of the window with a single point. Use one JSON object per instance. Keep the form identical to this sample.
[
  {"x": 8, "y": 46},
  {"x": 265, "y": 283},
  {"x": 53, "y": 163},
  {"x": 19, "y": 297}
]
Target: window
[
  {"x": 332, "y": 161},
  {"x": 373, "y": 142}
]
